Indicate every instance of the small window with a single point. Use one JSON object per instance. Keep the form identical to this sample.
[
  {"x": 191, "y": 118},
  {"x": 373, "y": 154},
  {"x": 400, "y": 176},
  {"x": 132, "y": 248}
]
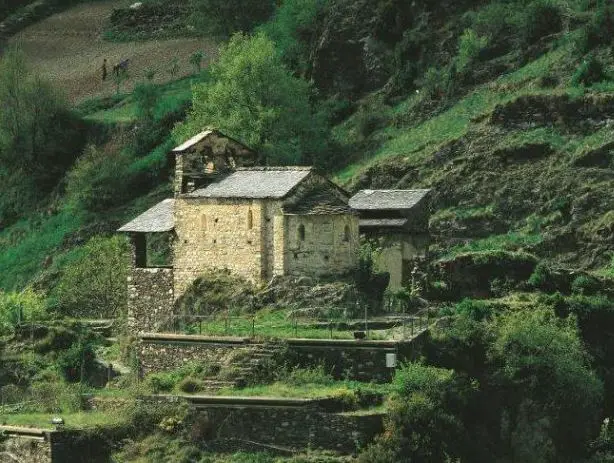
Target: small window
[
  {"x": 250, "y": 220},
  {"x": 301, "y": 232},
  {"x": 203, "y": 222},
  {"x": 346, "y": 233}
]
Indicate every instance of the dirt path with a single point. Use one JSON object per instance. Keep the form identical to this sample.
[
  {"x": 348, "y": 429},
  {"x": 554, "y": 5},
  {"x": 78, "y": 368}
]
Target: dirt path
[{"x": 68, "y": 50}]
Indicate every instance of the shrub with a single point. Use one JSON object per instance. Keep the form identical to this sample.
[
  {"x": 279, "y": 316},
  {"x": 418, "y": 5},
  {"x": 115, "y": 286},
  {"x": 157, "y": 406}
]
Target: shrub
[
  {"x": 77, "y": 362},
  {"x": 191, "y": 385},
  {"x": 598, "y": 31},
  {"x": 314, "y": 375},
  {"x": 59, "y": 338},
  {"x": 161, "y": 382},
  {"x": 541, "y": 18},
  {"x": 94, "y": 285},
  {"x": 293, "y": 29},
  {"x": 470, "y": 46},
  {"x": 475, "y": 309},
  {"x": 586, "y": 285},
  {"x": 56, "y": 397},
  {"x": 99, "y": 180},
  {"x": 589, "y": 72},
  {"x": 23, "y": 307}
]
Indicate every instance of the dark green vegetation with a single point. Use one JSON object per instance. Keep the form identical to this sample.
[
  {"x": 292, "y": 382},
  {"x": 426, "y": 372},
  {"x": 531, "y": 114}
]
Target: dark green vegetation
[{"x": 504, "y": 108}]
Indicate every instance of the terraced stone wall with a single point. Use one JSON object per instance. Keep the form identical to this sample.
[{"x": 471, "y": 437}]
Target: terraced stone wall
[{"x": 150, "y": 299}]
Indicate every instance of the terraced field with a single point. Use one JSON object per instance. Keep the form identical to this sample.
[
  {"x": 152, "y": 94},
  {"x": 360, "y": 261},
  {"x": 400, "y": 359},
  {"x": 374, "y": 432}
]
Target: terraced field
[{"x": 68, "y": 49}]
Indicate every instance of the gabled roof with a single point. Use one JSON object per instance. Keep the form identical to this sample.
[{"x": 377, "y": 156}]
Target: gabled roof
[
  {"x": 158, "y": 219},
  {"x": 185, "y": 146},
  {"x": 382, "y": 223},
  {"x": 255, "y": 183},
  {"x": 322, "y": 200},
  {"x": 370, "y": 200}
]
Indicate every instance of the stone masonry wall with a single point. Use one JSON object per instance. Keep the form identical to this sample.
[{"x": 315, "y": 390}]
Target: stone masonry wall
[
  {"x": 165, "y": 355},
  {"x": 324, "y": 249},
  {"x": 25, "y": 449},
  {"x": 349, "y": 360},
  {"x": 215, "y": 233},
  {"x": 296, "y": 428},
  {"x": 150, "y": 299}
]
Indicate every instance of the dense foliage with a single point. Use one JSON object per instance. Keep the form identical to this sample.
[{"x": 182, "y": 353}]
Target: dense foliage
[{"x": 254, "y": 97}]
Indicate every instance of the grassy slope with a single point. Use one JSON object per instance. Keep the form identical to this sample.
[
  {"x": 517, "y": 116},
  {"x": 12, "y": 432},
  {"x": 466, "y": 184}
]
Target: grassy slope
[
  {"x": 483, "y": 200},
  {"x": 68, "y": 49}
]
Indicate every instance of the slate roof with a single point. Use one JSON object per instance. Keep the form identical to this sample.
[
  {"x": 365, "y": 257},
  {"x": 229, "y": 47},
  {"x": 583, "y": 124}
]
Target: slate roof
[
  {"x": 201, "y": 136},
  {"x": 318, "y": 201},
  {"x": 159, "y": 218},
  {"x": 370, "y": 200},
  {"x": 255, "y": 183},
  {"x": 382, "y": 223}
]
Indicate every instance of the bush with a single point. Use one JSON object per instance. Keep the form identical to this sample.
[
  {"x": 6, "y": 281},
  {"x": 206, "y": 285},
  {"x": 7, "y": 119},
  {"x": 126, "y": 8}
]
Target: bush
[
  {"x": 470, "y": 46},
  {"x": 541, "y": 18},
  {"x": 99, "y": 180},
  {"x": 591, "y": 71},
  {"x": 599, "y": 31},
  {"x": 161, "y": 382},
  {"x": 293, "y": 29},
  {"x": 302, "y": 376},
  {"x": 59, "y": 338},
  {"x": 94, "y": 285},
  {"x": 16, "y": 308},
  {"x": 191, "y": 385},
  {"x": 585, "y": 285},
  {"x": 56, "y": 397},
  {"x": 77, "y": 362}
]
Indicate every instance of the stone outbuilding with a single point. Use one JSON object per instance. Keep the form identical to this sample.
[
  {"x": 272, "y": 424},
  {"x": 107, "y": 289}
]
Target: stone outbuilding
[
  {"x": 257, "y": 222},
  {"x": 398, "y": 221}
]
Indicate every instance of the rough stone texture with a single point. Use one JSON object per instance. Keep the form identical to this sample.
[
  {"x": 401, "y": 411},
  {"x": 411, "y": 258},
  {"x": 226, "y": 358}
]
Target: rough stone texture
[
  {"x": 328, "y": 246},
  {"x": 354, "y": 360},
  {"x": 216, "y": 233},
  {"x": 150, "y": 299},
  {"x": 25, "y": 449},
  {"x": 398, "y": 252},
  {"x": 256, "y": 240},
  {"x": 162, "y": 355},
  {"x": 296, "y": 428}
]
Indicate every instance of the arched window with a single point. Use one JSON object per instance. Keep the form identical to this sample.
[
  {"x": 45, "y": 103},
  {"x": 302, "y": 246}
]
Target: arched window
[
  {"x": 203, "y": 222},
  {"x": 346, "y": 233},
  {"x": 250, "y": 220},
  {"x": 301, "y": 232}
]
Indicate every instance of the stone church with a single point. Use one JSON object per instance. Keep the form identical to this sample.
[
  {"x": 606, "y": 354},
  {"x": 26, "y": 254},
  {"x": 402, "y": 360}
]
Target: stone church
[{"x": 257, "y": 222}]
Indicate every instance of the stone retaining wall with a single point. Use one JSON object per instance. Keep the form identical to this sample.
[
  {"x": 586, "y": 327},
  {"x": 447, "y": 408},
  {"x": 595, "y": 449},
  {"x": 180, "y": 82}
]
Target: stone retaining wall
[
  {"x": 363, "y": 361},
  {"x": 150, "y": 299},
  {"x": 296, "y": 428}
]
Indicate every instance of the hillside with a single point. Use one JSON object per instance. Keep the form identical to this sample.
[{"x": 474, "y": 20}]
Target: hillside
[
  {"x": 504, "y": 109},
  {"x": 68, "y": 49}
]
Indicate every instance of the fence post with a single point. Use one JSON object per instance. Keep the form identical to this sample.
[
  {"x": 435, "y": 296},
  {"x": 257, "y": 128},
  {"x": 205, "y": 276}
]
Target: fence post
[
  {"x": 330, "y": 327},
  {"x": 253, "y": 326},
  {"x": 200, "y": 326},
  {"x": 295, "y": 325},
  {"x": 412, "y": 326}
]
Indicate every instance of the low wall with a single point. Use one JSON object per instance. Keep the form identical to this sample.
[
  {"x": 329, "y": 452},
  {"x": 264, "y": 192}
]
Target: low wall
[
  {"x": 167, "y": 352},
  {"x": 358, "y": 360},
  {"x": 150, "y": 299},
  {"x": 295, "y": 428},
  {"x": 25, "y": 445},
  {"x": 30, "y": 445}
]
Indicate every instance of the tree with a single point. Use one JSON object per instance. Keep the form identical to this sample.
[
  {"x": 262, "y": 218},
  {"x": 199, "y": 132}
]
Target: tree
[
  {"x": 253, "y": 97},
  {"x": 541, "y": 369},
  {"x": 94, "y": 284},
  {"x": 196, "y": 60},
  {"x": 39, "y": 136}
]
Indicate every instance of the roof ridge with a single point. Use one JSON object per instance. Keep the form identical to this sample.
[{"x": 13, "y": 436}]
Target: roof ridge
[{"x": 274, "y": 168}]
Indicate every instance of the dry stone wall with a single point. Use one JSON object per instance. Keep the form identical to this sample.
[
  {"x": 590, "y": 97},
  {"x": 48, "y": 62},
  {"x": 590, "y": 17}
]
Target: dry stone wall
[
  {"x": 18, "y": 449},
  {"x": 296, "y": 428},
  {"x": 164, "y": 355},
  {"x": 150, "y": 299}
]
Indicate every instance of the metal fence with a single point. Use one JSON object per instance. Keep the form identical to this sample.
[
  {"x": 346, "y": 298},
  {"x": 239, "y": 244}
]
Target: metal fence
[{"x": 225, "y": 324}]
